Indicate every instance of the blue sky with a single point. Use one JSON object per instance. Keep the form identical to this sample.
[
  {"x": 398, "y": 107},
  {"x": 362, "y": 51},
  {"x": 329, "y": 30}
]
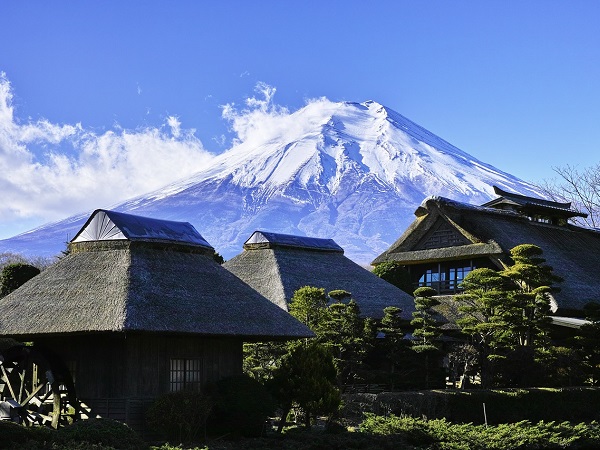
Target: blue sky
[{"x": 104, "y": 100}]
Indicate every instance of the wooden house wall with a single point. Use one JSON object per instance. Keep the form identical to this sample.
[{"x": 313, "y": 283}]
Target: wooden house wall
[{"x": 137, "y": 365}]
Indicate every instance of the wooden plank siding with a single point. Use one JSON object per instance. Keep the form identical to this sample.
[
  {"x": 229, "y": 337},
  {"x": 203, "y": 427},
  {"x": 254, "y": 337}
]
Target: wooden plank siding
[{"x": 119, "y": 374}]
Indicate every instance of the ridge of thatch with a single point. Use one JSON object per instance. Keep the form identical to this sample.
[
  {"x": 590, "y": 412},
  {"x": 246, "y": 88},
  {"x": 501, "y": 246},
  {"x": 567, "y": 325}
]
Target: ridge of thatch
[
  {"x": 277, "y": 272},
  {"x": 447, "y": 253}
]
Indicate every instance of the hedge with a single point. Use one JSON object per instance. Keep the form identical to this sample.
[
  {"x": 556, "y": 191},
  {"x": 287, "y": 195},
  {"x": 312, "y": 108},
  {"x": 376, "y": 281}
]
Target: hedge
[{"x": 464, "y": 406}]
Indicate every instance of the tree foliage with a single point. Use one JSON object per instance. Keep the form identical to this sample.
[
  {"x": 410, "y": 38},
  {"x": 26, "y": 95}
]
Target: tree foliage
[
  {"x": 348, "y": 337},
  {"x": 393, "y": 339},
  {"x": 15, "y": 275},
  {"x": 394, "y": 273},
  {"x": 308, "y": 305},
  {"x": 506, "y": 314},
  {"x": 588, "y": 343},
  {"x": 426, "y": 330},
  {"x": 529, "y": 301},
  {"x": 481, "y": 304},
  {"x": 307, "y": 378}
]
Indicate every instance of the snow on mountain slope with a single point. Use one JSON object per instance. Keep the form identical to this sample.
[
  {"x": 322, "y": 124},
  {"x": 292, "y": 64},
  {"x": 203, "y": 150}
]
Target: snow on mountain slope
[{"x": 348, "y": 171}]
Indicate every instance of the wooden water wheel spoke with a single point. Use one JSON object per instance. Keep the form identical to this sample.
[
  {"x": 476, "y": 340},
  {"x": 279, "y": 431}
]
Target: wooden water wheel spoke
[
  {"x": 6, "y": 380},
  {"x": 34, "y": 393},
  {"x": 40, "y": 384}
]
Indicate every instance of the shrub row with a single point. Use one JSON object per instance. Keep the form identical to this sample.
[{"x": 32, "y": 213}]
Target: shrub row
[
  {"x": 376, "y": 432},
  {"x": 501, "y": 406},
  {"x": 440, "y": 434},
  {"x": 97, "y": 434}
]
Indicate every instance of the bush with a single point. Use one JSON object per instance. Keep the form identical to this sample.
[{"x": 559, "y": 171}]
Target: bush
[
  {"x": 522, "y": 435},
  {"x": 12, "y": 434},
  {"x": 242, "y": 407},
  {"x": 502, "y": 406},
  {"x": 180, "y": 416},
  {"x": 15, "y": 275},
  {"x": 98, "y": 432}
]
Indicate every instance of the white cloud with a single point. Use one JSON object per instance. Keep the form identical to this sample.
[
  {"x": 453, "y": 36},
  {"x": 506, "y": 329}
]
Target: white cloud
[
  {"x": 261, "y": 119},
  {"x": 259, "y": 116},
  {"x": 175, "y": 125},
  {"x": 49, "y": 171}
]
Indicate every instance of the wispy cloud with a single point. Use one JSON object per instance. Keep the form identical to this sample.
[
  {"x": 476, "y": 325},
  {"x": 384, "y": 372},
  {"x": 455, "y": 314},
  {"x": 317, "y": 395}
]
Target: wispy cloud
[
  {"x": 261, "y": 119},
  {"x": 48, "y": 171}
]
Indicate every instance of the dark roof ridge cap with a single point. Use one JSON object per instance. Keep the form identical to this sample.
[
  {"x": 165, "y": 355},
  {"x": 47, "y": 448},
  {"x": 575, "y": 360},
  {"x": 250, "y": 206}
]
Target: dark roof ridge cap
[
  {"x": 283, "y": 240},
  {"x": 123, "y": 221},
  {"x": 503, "y": 193}
]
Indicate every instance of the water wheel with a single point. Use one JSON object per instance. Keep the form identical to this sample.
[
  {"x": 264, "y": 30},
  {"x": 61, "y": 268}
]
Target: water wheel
[{"x": 36, "y": 387}]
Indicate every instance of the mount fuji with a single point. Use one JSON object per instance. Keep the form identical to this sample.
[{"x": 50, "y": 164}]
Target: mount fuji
[{"x": 354, "y": 172}]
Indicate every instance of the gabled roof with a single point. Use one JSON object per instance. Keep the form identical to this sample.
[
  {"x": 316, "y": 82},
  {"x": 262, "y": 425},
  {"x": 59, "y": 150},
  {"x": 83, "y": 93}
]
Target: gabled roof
[
  {"x": 268, "y": 239},
  {"x": 106, "y": 225},
  {"x": 573, "y": 252},
  {"x": 277, "y": 271},
  {"x": 131, "y": 285}
]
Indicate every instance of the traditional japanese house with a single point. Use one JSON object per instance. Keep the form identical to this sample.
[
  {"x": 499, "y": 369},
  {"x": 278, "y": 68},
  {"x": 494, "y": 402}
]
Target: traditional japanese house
[
  {"x": 277, "y": 264},
  {"x": 139, "y": 308},
  {"x": 448, "y": 239}
]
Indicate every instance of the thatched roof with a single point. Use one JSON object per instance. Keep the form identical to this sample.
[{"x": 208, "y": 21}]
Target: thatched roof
[
  {"x": 573, "y": 252},
  {"x": 278, "y": 269},
  {"x": 148, "y": 284}
]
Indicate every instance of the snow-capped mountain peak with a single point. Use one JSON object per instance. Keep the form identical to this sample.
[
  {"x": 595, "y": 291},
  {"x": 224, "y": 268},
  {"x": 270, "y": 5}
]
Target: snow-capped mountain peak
[{"x": 353, "y": 172}]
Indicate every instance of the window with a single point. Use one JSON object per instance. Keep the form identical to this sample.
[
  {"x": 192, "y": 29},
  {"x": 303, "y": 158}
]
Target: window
[
  {"x": 445, "y": 278},
  {"x": 185, "y": 374}
]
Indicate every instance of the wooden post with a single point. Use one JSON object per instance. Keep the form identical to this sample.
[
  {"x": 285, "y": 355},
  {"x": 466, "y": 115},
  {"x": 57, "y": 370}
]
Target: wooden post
[{"x": 484, "y": 415}]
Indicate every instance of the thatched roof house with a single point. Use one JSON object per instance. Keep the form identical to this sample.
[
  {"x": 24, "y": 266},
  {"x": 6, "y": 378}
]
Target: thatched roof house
[
  {"x": 449, "y": 238},
  {"x": 138, "y": 308},
  {"x": 276, "y": 265},
  {"x": 127, "y": 273}
]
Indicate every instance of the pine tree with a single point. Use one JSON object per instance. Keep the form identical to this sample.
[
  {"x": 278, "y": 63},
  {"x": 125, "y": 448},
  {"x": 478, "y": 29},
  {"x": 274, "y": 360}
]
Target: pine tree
[
  {"x": 588, "y": 343},
  {"x": 528, "y": 315},
  {"x": 506, "y": 314},
  {"x": 481, "y": 306},
  {"x": 427, "y": 331},
  {"x": 309, "y": 306},
  {"x": 393, "y": 339},
  {"x": 306, "y": 378}
]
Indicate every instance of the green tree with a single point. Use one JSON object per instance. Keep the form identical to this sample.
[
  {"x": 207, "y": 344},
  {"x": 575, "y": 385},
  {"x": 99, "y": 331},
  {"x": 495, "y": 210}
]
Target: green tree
[
  {"x": 481, "y": 304},
  {"x": 394, "y": 273},
  {"x": 307, "y": 379},
  {"x": 339, "y": 295},
  {"x": 506, "y": 314},
  {"x": 528, "y": 315},
  {"x": 218, "y": 258},
  {"x": 15, "y": 275},
  {"x": 393, "y": 340},
  {"x": 426, "y": 331},
  {"x": 261, "y": 359},
  {"x": 588, "y": 343},
  {"x": 308, "y": 305},
  {"x": 349, "y": 337}
]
